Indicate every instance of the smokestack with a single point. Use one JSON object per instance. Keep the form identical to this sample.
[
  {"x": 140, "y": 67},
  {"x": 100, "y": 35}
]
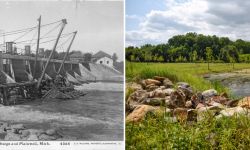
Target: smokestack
[{"x": 27, "y": 50}]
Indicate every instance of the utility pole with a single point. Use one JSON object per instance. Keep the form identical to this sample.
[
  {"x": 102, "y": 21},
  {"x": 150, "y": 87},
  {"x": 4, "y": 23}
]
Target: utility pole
[
  {"x": 67, "y": 52},
  {"x": 37, "y": 46},
  {"x": 64, "y": 22}
]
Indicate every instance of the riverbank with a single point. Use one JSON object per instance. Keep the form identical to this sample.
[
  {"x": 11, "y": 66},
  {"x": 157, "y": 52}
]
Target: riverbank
[{"x": 95, "y": 116}]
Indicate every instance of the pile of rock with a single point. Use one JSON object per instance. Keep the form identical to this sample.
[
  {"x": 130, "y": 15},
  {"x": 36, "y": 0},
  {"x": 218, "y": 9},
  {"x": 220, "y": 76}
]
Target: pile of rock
[
  {"x": 180, "y": 101},
  {"x": 19, "y": 132}
]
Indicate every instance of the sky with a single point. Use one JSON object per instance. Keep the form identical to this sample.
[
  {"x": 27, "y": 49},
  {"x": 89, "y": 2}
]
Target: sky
[
  {"x": 100, "y": 24},
  {"x": 155, "y": 21}
]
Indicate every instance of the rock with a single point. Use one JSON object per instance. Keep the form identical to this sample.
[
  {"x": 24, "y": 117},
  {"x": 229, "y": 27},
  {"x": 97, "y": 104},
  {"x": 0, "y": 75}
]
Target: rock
[
  {"x": 152, "y": 82},
  {"x": 209, "y": 93},
  {"x": 24, "y": 133},
  {"x": 51, "y": 132},
  {"x": 36, "y": 131},
  {"x": 183, "y": 85},
  {"x": 192, "y": 115},
  {"x": 134, "y": 86},
  {"x": 213, "y": 103},
  {"x": 143, "y": 83},
  {"x": 207, "y": 112},
  {"x": 167, "y": 83},
  {"x": 138, "y": 96},
  {"x": 178, "y": 99},
  {"x": 228, "y": 112},
  {"x": 232, "y": 103},
  {"x": 159, "y": 78},
  {"x": 197, "y": 98},
  {"x": 151, "y": 87},
  {"x": 169, "y": 111},
  {"x": 245, "y": 102},
  {"x": 32, "y": 137},
  {"x": 187, "y": 92},
  {"x": 162, "y": 87},
  {"x": 155, "y": 101},
  {"x": 175, "y": 100},
  {"x": 18, "y": 126},
  {"x": 189, "y": 104},
  {"x": 199, "y": 106},
  {"x": 159, "y": 93},
  {"x": 46, "y": 137},
  {"x": 6, "y": 126},
  {"x": 12, "y": 137},
  {"x": 219, "y": 99},
  {"x": 139, "y": 113},
  {"x": 168, "y": 92}
]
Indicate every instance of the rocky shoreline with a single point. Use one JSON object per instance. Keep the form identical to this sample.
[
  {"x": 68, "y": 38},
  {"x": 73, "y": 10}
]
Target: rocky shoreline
[
  {"x": 18, "y": 132},
  {"x": 180, "y": 101}
]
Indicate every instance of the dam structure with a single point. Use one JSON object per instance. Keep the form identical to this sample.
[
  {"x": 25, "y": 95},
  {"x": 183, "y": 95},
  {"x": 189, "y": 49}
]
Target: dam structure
[{"x": 24, "y": 75}]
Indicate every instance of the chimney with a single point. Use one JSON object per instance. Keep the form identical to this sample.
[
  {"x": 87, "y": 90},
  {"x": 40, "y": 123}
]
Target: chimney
[
  {"x": 9, "y": 47},
  {"x": 27, "y": 50}
]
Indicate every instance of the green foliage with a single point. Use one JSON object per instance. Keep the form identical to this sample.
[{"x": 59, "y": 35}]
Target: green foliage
[
  {"x": 156, "y": 132},
  {"x": 190, "y": 47}
]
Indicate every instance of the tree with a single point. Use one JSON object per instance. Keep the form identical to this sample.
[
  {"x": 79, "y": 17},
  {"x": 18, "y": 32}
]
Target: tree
[
  {"x": 194, "y": 56},
  {"x": 114, "y": 57},
  {"x": 87, "y": 57},
  {"x": 208, "y": 56}
]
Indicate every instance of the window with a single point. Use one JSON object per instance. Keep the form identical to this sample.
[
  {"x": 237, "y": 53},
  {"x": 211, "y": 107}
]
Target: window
[
  {"x": 107, "y": 62},
  {"x": 100, "y": 62}
]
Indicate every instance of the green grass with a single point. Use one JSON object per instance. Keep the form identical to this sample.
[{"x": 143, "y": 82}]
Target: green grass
[
  {"x": 187, "y": 72},
  {"x": 155, "y": 132}
]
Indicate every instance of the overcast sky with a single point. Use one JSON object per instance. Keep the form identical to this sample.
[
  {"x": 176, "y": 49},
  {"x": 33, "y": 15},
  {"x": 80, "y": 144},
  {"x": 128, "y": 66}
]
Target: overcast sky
[
  {"x": 155, "y": 21},
  {"x": 99, "y": 23}
]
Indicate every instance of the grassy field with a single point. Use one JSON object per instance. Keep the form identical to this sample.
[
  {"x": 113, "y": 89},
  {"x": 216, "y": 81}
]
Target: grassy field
[
  {"x": 155, "y": 132},
  {"x": 187, "y": 72}
]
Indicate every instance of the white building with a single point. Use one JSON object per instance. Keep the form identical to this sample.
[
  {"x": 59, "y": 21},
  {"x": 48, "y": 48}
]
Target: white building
[{"x": 103, "y": 58}]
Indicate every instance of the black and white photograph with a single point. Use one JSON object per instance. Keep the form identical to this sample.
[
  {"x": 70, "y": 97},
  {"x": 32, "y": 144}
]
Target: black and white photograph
[{"x": 62, "y": 70}]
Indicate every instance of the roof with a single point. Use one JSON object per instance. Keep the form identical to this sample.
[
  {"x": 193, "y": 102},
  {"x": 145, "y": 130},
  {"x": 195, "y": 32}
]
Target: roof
[
  {"x": 96, "y": 59},
  {"x": 101, "y": 54},
  {"x": 76, "y": 55}
]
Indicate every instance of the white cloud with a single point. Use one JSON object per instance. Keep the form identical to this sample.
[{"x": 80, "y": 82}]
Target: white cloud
[{"x": 222, "y": 18}]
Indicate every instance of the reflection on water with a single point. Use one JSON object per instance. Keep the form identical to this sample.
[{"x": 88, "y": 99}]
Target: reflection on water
[
  {"x": 238, "y": 83},
  {"x": 95, "y": 116}
]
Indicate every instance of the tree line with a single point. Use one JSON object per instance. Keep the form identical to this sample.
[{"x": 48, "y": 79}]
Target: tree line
[{"x": 192, "y": 47}]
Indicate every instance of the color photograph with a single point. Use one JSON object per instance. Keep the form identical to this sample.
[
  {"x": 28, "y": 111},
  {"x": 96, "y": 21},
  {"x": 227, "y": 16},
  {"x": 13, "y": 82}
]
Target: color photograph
[{"x": 187, "y": 74}]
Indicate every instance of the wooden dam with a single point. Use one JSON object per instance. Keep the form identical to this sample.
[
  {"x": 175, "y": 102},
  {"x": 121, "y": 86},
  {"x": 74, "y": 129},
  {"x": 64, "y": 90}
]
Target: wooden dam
[{"x": 21, "y": 76}]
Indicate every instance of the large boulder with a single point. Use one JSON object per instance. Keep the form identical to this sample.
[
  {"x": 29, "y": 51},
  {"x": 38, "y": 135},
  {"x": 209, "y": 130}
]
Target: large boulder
[
  {"x": 139, "y": 113},
  {"x": 176, "y": 99}
]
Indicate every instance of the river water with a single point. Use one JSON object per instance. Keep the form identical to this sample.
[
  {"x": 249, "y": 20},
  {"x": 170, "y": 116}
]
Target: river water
[
  {"x": 238, "y": 82},
  {"x": 96, "y": 116}
]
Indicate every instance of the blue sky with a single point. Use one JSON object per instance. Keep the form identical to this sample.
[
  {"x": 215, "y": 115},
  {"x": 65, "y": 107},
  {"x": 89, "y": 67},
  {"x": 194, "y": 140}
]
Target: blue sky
[{"x": 155, "y": 21}]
